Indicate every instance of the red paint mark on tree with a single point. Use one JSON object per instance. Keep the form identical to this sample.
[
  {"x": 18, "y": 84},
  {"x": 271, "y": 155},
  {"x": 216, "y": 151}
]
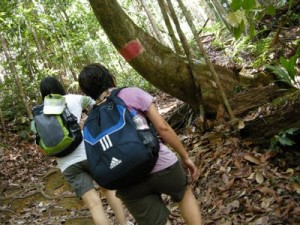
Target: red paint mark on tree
[{"x": 131, "y": 50}]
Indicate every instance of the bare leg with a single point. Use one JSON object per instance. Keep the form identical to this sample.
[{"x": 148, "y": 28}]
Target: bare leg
[
  {"x": 116, "y": 205},
  {"x": 93, "y": 202},
  {"x": 189, "y": 208}
]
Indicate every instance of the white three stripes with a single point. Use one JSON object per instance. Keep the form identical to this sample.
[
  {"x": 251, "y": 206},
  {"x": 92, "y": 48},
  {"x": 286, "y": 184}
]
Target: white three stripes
[{"x": 105, "y": 142}]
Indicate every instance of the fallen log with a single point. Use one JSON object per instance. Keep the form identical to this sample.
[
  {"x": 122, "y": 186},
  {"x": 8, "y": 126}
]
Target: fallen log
[
  {"x": 279, "y": 115},
  {"x": 250, "y": 99},
  {"x": 266, "y": 111}
]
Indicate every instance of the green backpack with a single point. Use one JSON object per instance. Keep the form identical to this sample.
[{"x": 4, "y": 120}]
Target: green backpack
[{"x": 57, "y": 129}]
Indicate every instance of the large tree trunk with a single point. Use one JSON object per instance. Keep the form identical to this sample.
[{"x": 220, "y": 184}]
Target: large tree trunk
[
  {"x": 158, "y": 64},
  {"x": 171, "y": 73}
]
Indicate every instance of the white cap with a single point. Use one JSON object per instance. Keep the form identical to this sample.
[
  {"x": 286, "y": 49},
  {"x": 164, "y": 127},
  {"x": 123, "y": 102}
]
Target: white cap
[{"x": 54, "y": 104}]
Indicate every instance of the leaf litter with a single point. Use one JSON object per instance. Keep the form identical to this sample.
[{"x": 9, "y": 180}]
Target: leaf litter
[{"x": 238, "y": 183}]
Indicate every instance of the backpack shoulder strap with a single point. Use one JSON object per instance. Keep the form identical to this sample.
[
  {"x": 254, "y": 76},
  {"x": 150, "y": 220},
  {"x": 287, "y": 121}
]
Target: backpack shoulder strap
[
  {"x": 38, "y": 109},
  {"x": 111, "y": 97},
  {"x": 114, "y": 93},
  {"x": 114, "y": 98}
]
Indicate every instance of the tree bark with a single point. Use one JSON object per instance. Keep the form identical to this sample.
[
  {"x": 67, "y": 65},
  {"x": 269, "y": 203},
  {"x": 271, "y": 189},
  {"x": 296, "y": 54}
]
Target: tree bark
[
  {"x": 158, "y": 64},
  {"x": 249, "y": 100}
]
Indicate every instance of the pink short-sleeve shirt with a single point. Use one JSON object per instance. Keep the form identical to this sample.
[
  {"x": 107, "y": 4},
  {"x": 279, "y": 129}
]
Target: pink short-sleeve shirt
[{"x": 139, "y": 100}]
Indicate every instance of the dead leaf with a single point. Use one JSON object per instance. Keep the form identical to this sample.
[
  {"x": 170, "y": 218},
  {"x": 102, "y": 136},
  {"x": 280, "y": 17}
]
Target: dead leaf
[
  {"x": 260, "y": 221},
  {"x": 243, "y": 172},
  {"x": 214, "y": 84},
  {"x": 226, "y": 223},
  {"x": 296, "y": 187},
  {"x": 287, "y": 209},
  {"x": 252, "y": 159},
  {"x": 259, "y": 177},
  {"x": 291, "y": 171},
  {"x": 225, "y": 178},
  {"x": 266, "y": 203},
  {"x": 234, "y": 204},
  {"x": 238, "y": 162},
  {"x": 296, "y": 211},
  {"x": 277, "y": 212},
  {"x": 222, "y": 169},
  {"x": 266, "y": 190},
  {"x": 251, "y": 176},
  {"x": 241, "y": 125},
  {"x": 266, "y": 156}
]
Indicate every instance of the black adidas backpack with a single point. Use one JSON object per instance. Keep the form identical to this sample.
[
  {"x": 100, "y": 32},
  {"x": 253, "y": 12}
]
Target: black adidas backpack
[{"x": 119, "y": 155}]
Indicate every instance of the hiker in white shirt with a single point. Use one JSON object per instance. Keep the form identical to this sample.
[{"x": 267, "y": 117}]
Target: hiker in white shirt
[{"x": 74, "y": 166}]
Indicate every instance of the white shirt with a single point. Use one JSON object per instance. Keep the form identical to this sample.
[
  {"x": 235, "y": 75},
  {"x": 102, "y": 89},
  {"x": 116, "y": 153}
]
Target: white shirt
[{"x": 75, "y": 103}]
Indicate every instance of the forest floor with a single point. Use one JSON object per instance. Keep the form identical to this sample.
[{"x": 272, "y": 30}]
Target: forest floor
[{"x": 239, "y": 183}]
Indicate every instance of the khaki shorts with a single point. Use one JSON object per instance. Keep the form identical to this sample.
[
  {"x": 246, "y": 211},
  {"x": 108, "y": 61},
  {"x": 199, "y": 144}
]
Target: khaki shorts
[
  {"x": 78, "y": 176},
  {"x": 144, "y": 200}
]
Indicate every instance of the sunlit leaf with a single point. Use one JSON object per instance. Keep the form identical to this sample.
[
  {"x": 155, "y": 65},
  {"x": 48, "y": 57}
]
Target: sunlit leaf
[
  {"x": 232, "y": 19},
  {"x": 236, "y": 18},
  {"x": 252, "y": 159},
  {"x": 241, "y": 125},
  {"x": 259, "y": 177},
  {"x": 296, "y": 187}
]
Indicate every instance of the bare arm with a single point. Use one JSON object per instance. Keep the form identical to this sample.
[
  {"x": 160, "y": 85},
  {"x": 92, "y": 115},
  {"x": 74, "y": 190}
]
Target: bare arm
[{"x": 170, "y": 137}]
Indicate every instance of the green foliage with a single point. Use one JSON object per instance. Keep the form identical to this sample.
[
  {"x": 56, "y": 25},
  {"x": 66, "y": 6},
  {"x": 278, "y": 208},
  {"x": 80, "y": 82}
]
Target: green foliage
[
  {"x": 239, "y": 50},
  {"x": 130, "y": 78},
  {"x": 261, "y": 49},
  {"x": 286, "y": 71},
  {"x": 244, "y": 15},
  {"x": 245, "y": 4},
  {"x": 270, "y": 10},
  {"x": 295, "y": 179},
  {"x": 49, "y": 39},
  {"x": 239, "y": 47},
  {"x": 10, "y": 101},
  {"x": 283, "y": 138}
]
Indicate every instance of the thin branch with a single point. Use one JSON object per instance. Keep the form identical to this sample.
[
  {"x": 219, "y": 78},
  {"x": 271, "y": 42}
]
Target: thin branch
[{"x": 207, "y": 60}]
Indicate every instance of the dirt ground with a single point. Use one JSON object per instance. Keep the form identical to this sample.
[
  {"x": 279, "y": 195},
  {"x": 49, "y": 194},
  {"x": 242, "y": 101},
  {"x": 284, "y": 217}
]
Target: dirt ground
[{"x": 238, "y": 183}]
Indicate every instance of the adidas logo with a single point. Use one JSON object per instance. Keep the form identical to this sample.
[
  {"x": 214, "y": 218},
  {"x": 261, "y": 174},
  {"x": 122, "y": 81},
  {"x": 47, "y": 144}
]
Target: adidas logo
[
  {"x": 114, "y": 162},
  {"x": 105, "y": 143}
]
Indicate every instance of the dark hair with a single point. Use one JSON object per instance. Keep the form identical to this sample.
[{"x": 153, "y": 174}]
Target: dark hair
[
  {"x": 94, "y": 79},
  {"x": 50, "y": 85}
]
